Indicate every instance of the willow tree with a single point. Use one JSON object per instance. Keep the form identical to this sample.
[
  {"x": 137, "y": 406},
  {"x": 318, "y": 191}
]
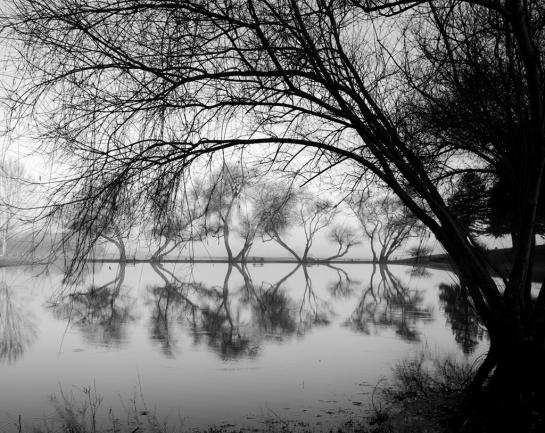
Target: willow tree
[{"x": 143, "y": 91}]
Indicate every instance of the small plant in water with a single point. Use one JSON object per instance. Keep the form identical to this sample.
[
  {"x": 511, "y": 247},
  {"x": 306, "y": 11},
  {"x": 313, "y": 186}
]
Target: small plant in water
[
  {"x": 423, "y": 375},
  {"x": 82, "y": 412},
  {"x": 425, "y": 395}
]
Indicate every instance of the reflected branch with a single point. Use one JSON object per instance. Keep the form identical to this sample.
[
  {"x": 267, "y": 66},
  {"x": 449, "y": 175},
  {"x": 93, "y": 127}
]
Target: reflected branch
[
  {"x": 318, "y": 312},
  {"x": 100, "y": 312},
  {"x": 389, "y": 304},
  {"x": 343, "y": 286},
  {"x": 272, "y": 308}
]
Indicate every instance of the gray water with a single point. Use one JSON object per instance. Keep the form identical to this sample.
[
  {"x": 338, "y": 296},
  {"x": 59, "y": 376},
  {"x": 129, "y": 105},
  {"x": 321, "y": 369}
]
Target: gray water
[{"x": 214, "y": 344}]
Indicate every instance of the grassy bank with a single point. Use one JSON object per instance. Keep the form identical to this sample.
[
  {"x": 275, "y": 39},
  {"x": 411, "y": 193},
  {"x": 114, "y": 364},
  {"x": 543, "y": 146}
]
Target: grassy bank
[{"x": 432, "y": 396}]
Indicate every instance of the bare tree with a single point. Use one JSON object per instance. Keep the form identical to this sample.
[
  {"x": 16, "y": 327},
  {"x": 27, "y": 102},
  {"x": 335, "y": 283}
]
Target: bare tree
[
  {"x": 180, "y": 224},
  {"x": 314, "y": 215},
  {"x": 103, "y": 226},
  {"x": 345, "y": 237},
  {"x": 139, "y": 92},
  {"x": 302, "y": 210},
  {"x": 276, "y": 203},
  {"x": 169, "y": 233},
  {"x": 222, "y": 194},
  {"x": 386, "y": 221},
  {"x": 12, "y": 176}
]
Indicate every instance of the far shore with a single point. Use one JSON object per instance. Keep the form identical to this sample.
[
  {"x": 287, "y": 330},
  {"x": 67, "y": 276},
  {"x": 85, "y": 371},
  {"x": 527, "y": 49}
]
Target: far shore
[
  {"x": 501, "y": 260},
  {"x": 6, "y": 261},
  {"x": 254, "y": 260}
]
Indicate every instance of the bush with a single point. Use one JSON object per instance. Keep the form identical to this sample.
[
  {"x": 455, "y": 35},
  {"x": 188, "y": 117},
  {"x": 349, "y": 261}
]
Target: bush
[{"x": 420, "y": 251}]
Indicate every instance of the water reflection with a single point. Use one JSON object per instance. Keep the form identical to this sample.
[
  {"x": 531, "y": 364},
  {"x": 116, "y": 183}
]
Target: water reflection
[
  {"x": 236, "y": 317},
  {"x": 342, "y": 286},
  {"x": 171, "y": 305},
  {"x": 234, "y": 321},
  {"x": 101, "y": 312},
  {"x": 17, "y": 330},
  {"x": 222, "y": 324},
  {"x": 230, "y": 321},
  {"x": 419, "y": 272},
  {"x": 389, "y": 303},
  {"x": 313, "y": 309},
  {"x": 280, "y": 332},
  {"x": 462, "y": 317},
  {"x": 271, "y": 306}
]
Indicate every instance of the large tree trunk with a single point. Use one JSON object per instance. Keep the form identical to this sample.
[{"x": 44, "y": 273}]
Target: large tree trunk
[{"x": 517, "y": 385}]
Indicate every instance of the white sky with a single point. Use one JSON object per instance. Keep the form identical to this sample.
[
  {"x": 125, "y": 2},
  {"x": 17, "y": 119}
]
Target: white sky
[{"x": 22, "y": 148}]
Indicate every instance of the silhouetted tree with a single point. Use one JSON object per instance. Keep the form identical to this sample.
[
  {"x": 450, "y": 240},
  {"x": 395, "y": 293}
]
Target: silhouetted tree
[
  {"x": 482, "y": 107},
  {"x": 469, "y": 202},
  {"x": 345, "y": 237}
]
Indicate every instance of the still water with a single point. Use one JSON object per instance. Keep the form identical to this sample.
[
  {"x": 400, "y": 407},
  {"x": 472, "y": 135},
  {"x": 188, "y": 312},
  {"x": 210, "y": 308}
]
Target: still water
[{"x": 213, "y": 344}]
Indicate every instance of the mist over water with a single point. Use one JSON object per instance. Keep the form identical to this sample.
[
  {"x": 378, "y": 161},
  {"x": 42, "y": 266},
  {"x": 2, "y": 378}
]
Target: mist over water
[{"x": 217, "y": 343}]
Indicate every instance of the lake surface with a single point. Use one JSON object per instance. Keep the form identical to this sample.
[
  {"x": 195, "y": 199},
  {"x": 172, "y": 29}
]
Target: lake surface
[{"x": 213, "y": 344}]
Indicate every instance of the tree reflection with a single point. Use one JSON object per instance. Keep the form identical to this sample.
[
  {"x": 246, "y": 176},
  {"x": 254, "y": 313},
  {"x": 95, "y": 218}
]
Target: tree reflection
[
  {"x": 276, "y": 314},
  {"x": 17, "y": 331},
  {"x": 101, "y": 313},
  {"x": 419, "y": 272},
  {"x": 343, "y": 286},
  {"x": 222, "y": 328},
  {"x": 273, "y": 310},
  {"x": 235, "y": 317},
  {"x": 169, "y": 301},
  {"x": 461, "y": 315},
  {"x": 313, "y": 310},
  {"x": 206, "y": 310},
  {"x": 388, "y": 303},
  {"x": 234, "y": 321}
]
